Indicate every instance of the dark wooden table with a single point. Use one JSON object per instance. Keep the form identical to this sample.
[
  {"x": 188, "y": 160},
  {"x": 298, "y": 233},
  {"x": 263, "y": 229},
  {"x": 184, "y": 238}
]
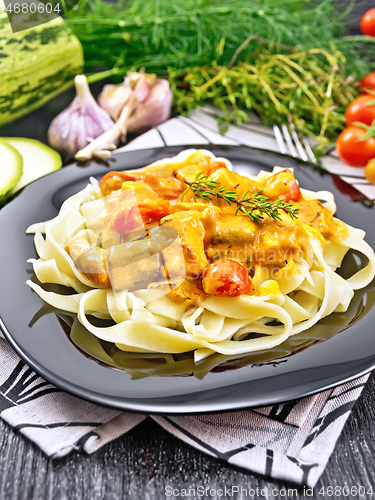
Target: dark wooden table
[{"x": 142, "y": 463}]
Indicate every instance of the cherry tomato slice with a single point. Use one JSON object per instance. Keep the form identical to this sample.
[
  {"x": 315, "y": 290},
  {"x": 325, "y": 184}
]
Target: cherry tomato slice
[
  {"x": 151, "y": 212},
  {"x": 282, "y": 185},
  {"x": 215, "y": 165},
  {"x": 227, "y": 278},
  {"x": 112, "y": 181}
]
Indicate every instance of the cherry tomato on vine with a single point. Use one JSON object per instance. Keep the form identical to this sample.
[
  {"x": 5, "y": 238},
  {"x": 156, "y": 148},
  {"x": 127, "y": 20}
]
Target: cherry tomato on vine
[
  {"x": 351, "y": 150},
  {"x": 367, "y": 23},
  {"x": 362, "y": 109},
  {"x": 368, "y": 82},
  {"x": 227, "y": 278},
  {"x": 370, "y": 171}
]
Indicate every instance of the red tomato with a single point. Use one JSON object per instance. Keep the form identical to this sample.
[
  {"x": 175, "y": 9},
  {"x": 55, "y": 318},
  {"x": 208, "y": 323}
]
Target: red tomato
[
  {"x": 352, "y": 151},
  {"x": 368, "y": 81},
  {"x": 282, "y": 185},
  {"x": 367, "y": 23},
  {"x": 151, "y": 212},
  {"x": 215, "y": 165},
  {"x": 361, "y": 109},
  {"x": 227, "y": 278},
  {"x": 112, "y": 181},
  {"x": 347, "y": 189},
  {"x": 294, "y": 193}
]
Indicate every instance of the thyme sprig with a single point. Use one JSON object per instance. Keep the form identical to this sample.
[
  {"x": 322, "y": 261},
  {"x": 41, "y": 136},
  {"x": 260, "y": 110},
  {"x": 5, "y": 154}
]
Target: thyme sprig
[{"x": 255, "y": 206}]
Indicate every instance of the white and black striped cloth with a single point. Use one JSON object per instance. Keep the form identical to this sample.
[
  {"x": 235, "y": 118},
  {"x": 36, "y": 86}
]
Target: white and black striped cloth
[{"x": 290, "y": 441}]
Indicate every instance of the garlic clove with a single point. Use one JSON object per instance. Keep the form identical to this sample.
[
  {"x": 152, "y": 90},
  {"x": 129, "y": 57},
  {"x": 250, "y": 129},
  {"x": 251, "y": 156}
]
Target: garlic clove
[
  {"x": 141, "y": 90},
  {"x": 103, "y": 143},
  {"x": 141, "y": 82},
  {"x": 113, "y": 98},
  {"x": 156, "y": 109},
  {"x": 83, "y": 118}
]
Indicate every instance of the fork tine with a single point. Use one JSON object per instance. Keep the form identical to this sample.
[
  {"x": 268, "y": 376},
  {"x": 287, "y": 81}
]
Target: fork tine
[
  {"x": 279, "y": 139},
  {"x": 298, "y": 143},
  {"x": 289, "y": 141},
  {"x": 309, "y": 150},
  {"x": 299, "y": 147}
]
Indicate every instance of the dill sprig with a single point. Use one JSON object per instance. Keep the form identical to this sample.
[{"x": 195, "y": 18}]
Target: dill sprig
[{"x": 255, "y": 206}]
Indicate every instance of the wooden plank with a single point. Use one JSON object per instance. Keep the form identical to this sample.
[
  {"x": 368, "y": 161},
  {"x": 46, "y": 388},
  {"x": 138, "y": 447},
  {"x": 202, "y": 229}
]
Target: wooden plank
[{"x": 142, "y": 463}]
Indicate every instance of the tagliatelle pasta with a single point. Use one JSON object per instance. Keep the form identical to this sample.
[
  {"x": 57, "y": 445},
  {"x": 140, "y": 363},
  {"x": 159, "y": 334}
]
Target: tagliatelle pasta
[{"x": 139, "y": 252}]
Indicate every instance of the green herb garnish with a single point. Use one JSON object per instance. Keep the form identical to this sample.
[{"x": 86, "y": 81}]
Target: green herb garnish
[{"x": 255, "y": 206}]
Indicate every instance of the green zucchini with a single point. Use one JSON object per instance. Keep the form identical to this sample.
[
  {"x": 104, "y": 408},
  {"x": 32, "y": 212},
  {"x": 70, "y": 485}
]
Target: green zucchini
[
  {"x": 38, "y": 160},
  {"x": 11, "y": 169},
  {"x": 35, "y": 65}
]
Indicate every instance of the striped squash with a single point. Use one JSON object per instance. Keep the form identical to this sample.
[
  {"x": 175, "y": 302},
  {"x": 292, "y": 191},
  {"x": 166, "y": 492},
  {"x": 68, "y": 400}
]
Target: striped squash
[{"x": 35, "y": 65}]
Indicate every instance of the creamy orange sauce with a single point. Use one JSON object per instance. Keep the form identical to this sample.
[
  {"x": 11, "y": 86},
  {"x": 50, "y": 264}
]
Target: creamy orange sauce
[{"x": 209, "y": 230}]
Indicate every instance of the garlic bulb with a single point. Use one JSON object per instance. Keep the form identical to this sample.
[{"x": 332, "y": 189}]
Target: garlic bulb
[
  {"x": 154, "y": 101},
  {"x": 114, "y": 97},
  {"x": 154, "y": 110},
  {"x": 145, "y": 103},
  {"x": 82, "y": 121}
]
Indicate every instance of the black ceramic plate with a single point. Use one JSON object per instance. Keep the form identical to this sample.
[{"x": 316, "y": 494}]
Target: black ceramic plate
[{"x": 50, "y": 352}]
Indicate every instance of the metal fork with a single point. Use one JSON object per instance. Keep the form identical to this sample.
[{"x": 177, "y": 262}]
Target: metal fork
[{"x": 298, "y": 146}]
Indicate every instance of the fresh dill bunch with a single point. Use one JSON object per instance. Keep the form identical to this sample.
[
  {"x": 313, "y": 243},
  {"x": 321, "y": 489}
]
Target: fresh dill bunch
[
  {"x": 256, "y": 206},
  {"x": 298, "y": 67},
  {"x": 181, "y": 34}
]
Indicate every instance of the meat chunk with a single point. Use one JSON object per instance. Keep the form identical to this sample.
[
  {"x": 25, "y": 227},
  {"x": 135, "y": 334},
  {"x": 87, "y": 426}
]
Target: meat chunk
[
  {"x": 315, "y": 215},
  {"x": 233, "y": 182},
  {"x": 278, "y": 241},
  {"x": 191, "y": 237},
  {"x": 228, "y": 236},
  {"x": 188, "y": 290}
]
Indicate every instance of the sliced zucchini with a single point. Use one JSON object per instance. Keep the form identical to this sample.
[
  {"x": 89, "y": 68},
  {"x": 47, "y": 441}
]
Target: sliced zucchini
[
  {"x": 10, "y": 170},
  {"x": 38, "y": 159}
]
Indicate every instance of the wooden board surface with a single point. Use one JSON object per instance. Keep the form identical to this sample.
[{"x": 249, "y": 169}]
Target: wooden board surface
[{"x": 141, "y": 464}]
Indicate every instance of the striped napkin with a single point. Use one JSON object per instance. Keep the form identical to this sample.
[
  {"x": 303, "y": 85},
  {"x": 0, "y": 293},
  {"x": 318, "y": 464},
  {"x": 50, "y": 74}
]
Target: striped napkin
[{"x": 291, "y": 441}]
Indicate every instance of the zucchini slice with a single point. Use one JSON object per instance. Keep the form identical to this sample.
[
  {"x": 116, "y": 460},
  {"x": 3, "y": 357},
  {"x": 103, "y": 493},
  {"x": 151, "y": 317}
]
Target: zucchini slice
[
  {"x": 38, "y": 160},
  {"x": 10, "y": 170}
]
